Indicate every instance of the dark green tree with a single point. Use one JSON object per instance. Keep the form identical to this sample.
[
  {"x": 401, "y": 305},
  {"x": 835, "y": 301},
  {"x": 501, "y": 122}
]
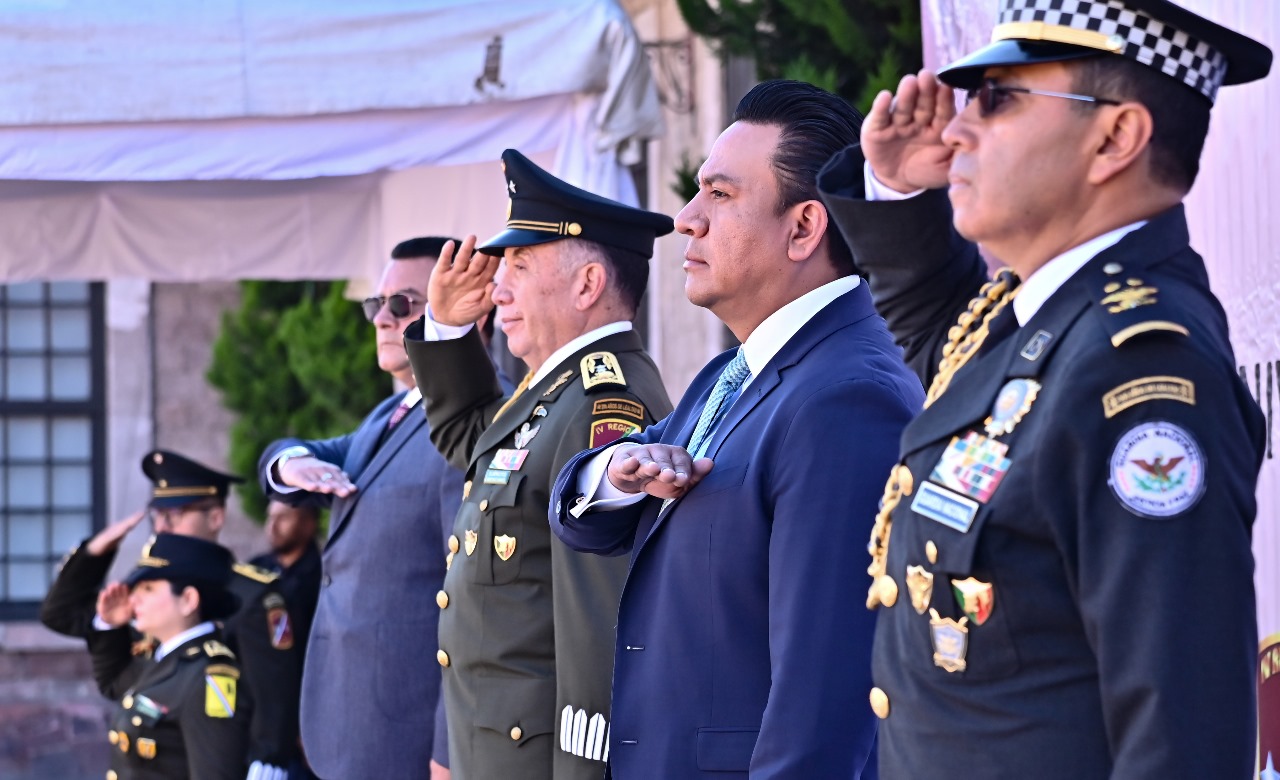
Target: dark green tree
[
  {"x": 854, "y": 48},
  {"x": 295, "y": 359}
]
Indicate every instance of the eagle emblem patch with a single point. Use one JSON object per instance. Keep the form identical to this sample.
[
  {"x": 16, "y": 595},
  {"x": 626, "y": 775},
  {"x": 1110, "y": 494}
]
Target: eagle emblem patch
[{"x": 1157, "y": 470}]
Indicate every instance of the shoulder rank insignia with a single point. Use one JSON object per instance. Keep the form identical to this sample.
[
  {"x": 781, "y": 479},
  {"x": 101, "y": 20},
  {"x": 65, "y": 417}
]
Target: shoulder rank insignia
[
  {"x": 254, "y": 573},
  {"x": 226, "y": 670},
  {"x": 214, "y": 648},
  {"x": 601, "y": 368},
  {"x": 1130, "y": 295},
  {"x": 1131, "y": 309},
  {"x": 219, "y": 696}
]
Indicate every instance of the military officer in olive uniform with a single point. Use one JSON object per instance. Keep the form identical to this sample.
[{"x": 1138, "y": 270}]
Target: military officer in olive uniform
[
  {"x": 1062, "y": 561},
  {"x": 180, "y": 714},
  {"x": 189, "y": 498},
  {"x": 526, "y": 629}
]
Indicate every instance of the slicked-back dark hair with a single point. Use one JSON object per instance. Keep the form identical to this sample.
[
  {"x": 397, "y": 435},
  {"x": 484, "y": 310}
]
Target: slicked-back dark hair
[
  {"x": 814, "y": 125},
  {"x": 1180, "y": 115},
  {"x": 426, "y": 246}
]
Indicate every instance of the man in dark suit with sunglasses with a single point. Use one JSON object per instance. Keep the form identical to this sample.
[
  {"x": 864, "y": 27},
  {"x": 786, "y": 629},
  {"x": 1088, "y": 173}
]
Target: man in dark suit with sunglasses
[
  {"x": 1062, "y": 562},
  {"x": 368, "y": 700}
]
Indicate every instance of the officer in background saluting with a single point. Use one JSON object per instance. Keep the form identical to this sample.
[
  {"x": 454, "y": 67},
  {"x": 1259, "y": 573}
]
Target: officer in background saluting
[
  {"x": 1062, "y": 560},
  {"x": 526, "y": 628},
  {"x": 180, "y": 715},
  {"x": 189, "y": 499}
]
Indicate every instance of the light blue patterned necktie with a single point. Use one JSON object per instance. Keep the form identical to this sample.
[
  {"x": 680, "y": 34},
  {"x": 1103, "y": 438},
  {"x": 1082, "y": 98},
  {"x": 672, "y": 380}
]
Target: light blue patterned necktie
[{"x": 730, "y": 381}]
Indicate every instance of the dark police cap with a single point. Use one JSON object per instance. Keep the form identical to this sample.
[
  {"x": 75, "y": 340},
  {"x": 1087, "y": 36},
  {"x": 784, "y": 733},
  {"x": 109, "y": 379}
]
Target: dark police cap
[
  {"x": 190, "y": 561},
  {"x": 178, "y": 480},
  {"x": 542, "y": 208},
  {"x": 1156, "y": 33}
]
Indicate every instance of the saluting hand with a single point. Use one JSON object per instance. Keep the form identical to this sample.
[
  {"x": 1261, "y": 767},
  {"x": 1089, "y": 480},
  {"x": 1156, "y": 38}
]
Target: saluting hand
[
  {"x": 661, "y": 470},
  {"x": 902, "y": 134},
  {"x": 317, "y": 476},
  {"x": 113, "y": 605},
  {"x": 461, "y": 287},
  {"x": 109, "y": 538}
]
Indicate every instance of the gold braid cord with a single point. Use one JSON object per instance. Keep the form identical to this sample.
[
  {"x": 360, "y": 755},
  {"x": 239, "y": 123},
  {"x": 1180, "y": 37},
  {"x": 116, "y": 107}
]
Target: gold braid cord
[
  {"x": 524, "y": 385},
  {"x": 964, "y": 340}
]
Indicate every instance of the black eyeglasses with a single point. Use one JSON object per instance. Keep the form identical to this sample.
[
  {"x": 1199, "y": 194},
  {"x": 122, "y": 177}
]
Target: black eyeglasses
[
  {"x": 992, "y": 95},
  {"x": 400, "y": 305}
]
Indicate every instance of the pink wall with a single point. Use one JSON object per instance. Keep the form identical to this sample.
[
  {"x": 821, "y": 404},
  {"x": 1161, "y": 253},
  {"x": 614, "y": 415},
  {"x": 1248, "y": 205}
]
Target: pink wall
[{"x": 1235, "y": 223}]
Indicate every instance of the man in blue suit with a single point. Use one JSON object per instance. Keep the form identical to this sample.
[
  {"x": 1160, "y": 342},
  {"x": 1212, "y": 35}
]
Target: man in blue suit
[
  {"x": 369, "y": 702},
  {"x": 740, "y": 651}
]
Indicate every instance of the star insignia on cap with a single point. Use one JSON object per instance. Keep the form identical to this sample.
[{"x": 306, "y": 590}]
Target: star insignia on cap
[{"x": 511, "y": 185}]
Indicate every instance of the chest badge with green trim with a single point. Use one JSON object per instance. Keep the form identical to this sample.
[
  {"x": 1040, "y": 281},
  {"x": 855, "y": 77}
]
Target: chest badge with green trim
[{"x": 976, "y": 598}]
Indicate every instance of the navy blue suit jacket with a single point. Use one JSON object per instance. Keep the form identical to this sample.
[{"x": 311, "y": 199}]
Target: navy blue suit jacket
[
  {"x": 743, "y": 646},
  {"x": 370, "y": 682}
]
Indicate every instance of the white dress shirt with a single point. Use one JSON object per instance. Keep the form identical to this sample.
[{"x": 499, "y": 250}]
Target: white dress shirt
[
  {"x": 173, "y": 643},
  {"x": 761, "y": 346}
]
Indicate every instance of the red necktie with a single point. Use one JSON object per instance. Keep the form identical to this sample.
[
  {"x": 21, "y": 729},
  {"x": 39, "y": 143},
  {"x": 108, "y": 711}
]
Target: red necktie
[{"x": 398, "y": 415}]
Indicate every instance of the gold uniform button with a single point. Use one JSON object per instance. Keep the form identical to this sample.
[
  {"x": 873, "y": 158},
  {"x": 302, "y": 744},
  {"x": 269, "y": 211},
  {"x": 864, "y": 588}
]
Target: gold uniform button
[
  {"x": 113, "y": 737},
  {"x": 442, "y": 599},
  {"x": 111, "y": 774},
  {"x": 127, "y": 701},
  {"x": 454, "y": 545},
  {"x": 448, "y": 562},
  {"x": 931, "y": 551},
  {"x": 442, "y": 657},
  {"x": 137, "y": 720},
  {"x": 888, "y": 589},
  {"x": 466, "y": 489},
  {"x": 880, "y": 703},
  {"x": 484, "y": 504},
  {"x": 516, "y": 733}
]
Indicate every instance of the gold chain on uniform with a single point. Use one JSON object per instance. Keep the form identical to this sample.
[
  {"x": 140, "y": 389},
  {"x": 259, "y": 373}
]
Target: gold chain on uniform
[{"x": 963, "y": 342}]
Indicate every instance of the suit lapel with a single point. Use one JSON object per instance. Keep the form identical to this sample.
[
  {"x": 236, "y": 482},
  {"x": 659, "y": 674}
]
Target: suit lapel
[{"x": 364, "y": 452}]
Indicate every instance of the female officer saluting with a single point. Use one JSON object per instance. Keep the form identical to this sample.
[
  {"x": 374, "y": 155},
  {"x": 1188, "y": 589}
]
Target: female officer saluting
[{"x": 178, "y": 715}]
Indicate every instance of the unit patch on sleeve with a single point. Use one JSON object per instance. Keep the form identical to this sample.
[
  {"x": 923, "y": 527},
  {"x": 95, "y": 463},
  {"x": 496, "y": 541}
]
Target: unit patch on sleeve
[
  {"x": 278, "y": 622},
  {"x": 609, "y": 430},
  {"x": 219, "y": 696},
  {"x": 1157, "y": 470},
  {"x": 618, "y": 406},
  {"x": 1148, "y": 388}
]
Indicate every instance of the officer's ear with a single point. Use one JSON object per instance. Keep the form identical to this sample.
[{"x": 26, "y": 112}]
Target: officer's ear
[
  {"x": 188, "y": 601},
  {"x": 215, "y": 517}
]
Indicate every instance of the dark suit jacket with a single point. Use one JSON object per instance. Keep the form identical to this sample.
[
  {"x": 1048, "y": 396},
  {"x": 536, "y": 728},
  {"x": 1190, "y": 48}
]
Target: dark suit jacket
[
  {"x": 1120, "y": 640},
  {"x": 742, "y": 646},
  {"x": 370, "y": 687}
]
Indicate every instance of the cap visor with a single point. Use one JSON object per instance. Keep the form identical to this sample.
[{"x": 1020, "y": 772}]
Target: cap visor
[
  {"x": 967, "y": 72},
  {"x": 514, "y": 237}
]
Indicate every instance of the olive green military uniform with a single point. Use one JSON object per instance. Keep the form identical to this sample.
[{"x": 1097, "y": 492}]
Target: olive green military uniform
[
  {"x": 527, "y": 625},
  {"x": 177, "y": 718}
]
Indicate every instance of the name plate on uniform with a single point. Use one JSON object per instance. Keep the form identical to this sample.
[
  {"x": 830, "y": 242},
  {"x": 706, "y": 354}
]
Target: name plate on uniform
[
  {"x": 944, "y": 506},
  {"x": 494, "y": 476}
]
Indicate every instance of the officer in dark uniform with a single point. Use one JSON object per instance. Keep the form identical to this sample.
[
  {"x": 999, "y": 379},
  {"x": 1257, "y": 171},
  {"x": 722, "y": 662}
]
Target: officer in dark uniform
[
  {"x": 1062, "y": 560},
  {"x": 179, "y": 712},
  {"x": 526, "y": 631},
  {"x": 189, "y": 499}
]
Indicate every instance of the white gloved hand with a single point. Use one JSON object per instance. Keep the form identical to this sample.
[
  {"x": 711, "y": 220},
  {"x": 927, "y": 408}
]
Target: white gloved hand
[{"x": 260, "y": 771}]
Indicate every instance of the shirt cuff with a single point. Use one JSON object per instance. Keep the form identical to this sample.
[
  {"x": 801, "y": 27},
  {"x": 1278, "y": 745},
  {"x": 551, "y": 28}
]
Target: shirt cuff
[
  {"x": 595, "y": 489},
  {"x": 273, "y": 468},
  {"x": 877, "y": 190},
  {"x": 436, "y": 331},
  {"x": 101, "y": 625}
]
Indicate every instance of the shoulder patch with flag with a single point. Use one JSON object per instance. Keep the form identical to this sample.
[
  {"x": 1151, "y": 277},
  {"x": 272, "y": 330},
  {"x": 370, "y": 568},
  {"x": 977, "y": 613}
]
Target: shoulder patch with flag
[
  {"x": 610, "y": 429},
  {"x": 219, "y": 696},
  {"x": 278, "y": 624}
]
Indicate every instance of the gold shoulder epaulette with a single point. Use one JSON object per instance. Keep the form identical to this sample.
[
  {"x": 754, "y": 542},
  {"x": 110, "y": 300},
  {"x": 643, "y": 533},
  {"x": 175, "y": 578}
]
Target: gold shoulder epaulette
[
  {"x": 255, "y": 573},
  {"x": 1132, "y": 307},
  {"x": 601, "y": 369},
  {"x": 225, "y": 670},
  {"x": 213, "y": 648}
]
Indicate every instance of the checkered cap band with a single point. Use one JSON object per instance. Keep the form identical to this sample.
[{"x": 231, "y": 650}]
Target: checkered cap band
[{"x": 1120, "y": 29}]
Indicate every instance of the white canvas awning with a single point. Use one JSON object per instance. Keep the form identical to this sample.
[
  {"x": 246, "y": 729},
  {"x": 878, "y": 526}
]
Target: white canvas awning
[{"x": 290, "y": 139}]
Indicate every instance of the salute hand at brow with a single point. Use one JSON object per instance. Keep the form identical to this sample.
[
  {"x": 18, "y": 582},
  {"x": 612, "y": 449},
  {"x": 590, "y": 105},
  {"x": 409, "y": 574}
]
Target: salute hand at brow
[
  {"x": 661, "y": 470},
  {"x": 461, "y": 287},
  {"x": 902, "y": 134},
  {"x": 113, "y": 605}
]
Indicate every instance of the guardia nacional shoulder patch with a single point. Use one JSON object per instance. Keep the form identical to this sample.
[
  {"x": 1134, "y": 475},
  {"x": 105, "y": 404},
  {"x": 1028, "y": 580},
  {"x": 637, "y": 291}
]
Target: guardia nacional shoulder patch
[
  {"x": 219, "y": 696},
  {"x": 1157, "y": 470},
  {"x": 601, "y": 368}
]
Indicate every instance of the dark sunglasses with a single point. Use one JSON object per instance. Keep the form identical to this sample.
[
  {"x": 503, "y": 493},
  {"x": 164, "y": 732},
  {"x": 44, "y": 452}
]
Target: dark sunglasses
[
  {"x": 400, "y": 305},
  {"x": 992, "y": 95}
]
